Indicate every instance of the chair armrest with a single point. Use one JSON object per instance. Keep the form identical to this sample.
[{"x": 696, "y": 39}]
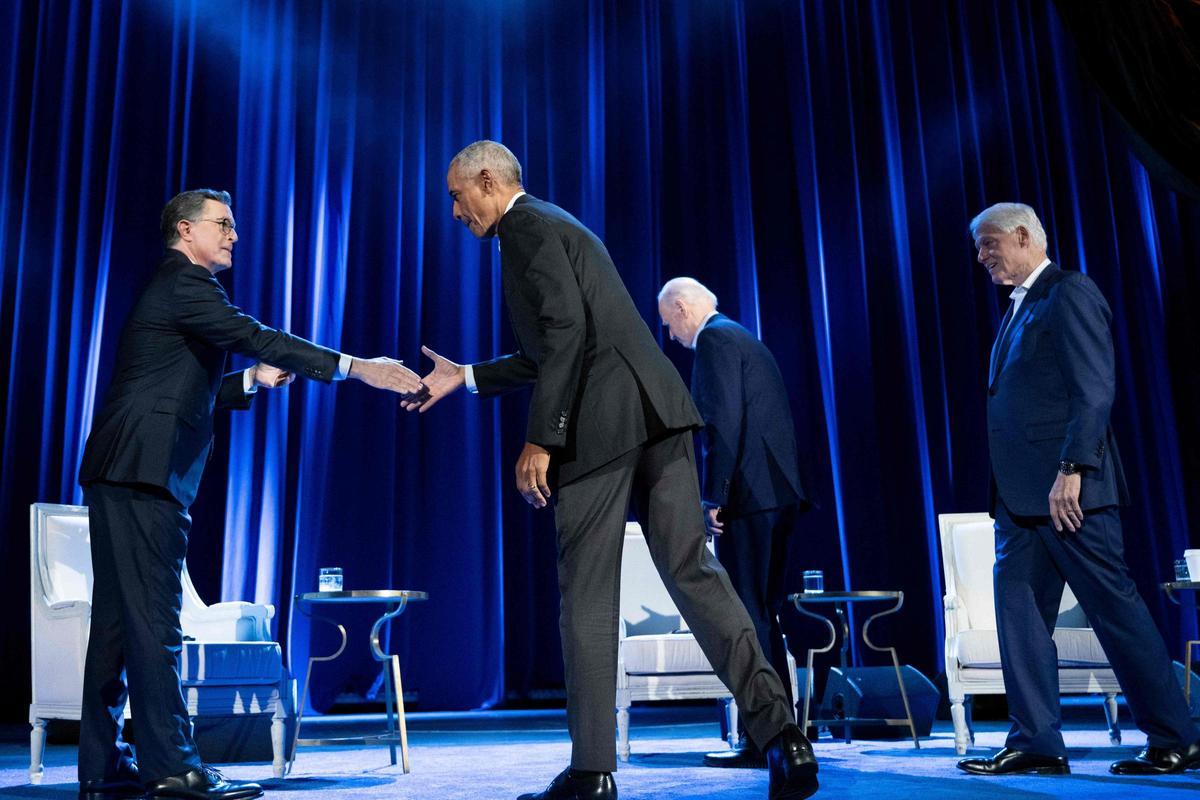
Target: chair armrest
[
  {"x": 955, "y": 615},
  {"x": 69, "y": 608}
]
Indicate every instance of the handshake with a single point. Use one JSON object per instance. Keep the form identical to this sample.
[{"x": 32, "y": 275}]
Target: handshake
[{"x": 416, "y": 393}]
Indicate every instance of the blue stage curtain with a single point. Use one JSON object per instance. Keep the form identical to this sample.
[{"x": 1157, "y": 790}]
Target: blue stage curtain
[{"x": 815, "y": 163}]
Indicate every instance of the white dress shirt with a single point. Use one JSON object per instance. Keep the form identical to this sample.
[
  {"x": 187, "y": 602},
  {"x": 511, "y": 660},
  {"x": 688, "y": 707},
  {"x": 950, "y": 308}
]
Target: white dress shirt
[{"x": 1018, "y": 294}]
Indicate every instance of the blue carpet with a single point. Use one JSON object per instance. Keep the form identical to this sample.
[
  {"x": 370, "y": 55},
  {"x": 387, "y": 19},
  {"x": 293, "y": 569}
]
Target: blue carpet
[{"x": 498, "y": 755}]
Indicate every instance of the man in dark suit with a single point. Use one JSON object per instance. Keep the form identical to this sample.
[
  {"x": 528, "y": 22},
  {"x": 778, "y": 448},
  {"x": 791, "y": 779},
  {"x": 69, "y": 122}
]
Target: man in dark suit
[
  {"x": 1056, "y": 487},
  {"x": 751, "y": 485},
  {"x": 609, "y": 421},
  {"x": 140, "y": 471}
]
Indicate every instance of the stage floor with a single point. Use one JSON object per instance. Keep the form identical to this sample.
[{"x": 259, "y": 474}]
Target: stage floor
[{"x": 498, "y": 755}]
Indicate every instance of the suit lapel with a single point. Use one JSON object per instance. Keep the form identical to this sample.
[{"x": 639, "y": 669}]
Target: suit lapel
[{"x": 1004, "y": 341}]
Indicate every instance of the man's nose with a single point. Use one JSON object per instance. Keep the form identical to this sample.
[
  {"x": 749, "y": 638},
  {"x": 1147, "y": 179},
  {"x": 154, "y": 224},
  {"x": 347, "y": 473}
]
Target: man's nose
[
  {"x": 982, "y": 256},
  {"x": 233, "y": 236}
]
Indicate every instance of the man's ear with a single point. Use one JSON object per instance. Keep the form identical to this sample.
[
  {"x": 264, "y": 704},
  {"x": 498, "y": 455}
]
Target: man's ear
[
  {"x": 486, "y": 182},
  {"x": 681, "y": 307},
  {"x": 184, "y": 233},
  {"x": 1023, "y": 237}
]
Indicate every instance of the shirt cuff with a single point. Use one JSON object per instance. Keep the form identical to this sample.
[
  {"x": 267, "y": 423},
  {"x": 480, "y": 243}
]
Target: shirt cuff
[
  {"x": 469, "y": 379},
  {"x": 343, "y": 368},
  {"x": 248, "y": 384}
]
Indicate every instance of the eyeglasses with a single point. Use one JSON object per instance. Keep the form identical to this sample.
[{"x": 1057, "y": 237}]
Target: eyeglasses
[{"x": 227, "y": 226}]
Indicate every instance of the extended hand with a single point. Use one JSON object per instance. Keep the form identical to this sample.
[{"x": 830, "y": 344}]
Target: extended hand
[
  {"x": 713, "y": 525},
  {"x": 387, "y": 373},
  {"x": 445, "y": 378},
  {"x": 531, "y": 475},
  {"x": 1064, "y": 503},
  {"x": 269, "y": 377}
]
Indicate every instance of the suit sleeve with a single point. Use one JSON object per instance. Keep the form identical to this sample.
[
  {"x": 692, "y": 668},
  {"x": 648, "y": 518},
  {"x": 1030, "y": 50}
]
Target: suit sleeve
[
  {"x": 203, "y": 310},
  {"x": 504, "y": 374},
  {"x": 232, "y": 393},
  {"x": 1084, "y": 348},
  {"x": 546, "y": 281},
  {"x": 717, "y": 391}
]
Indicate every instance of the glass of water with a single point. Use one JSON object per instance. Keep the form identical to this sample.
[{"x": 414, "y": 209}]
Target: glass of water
[
  {"x": 814, "y": 581},
  {"x": 330, "y": 579}
]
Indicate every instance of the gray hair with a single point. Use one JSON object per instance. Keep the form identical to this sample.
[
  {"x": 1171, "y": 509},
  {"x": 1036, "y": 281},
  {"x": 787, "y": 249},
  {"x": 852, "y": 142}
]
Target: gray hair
[
  {"x": 489, "y": 155},
  {"x": 1007, "y": 217},
  {"x": 186, "y": 205},
  {"x": 689, "y": 290}
]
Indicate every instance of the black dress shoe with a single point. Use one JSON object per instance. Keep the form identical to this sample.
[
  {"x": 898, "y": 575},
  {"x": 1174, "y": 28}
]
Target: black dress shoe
[
  {"x": 119, "y": 789},
  {"x": 1015, "y": 762},
  {"x": 203, "y": 784},
  {"x": 743, "y": 755},
  {"x": 572, "y": 785},
  {"x": 792, "y": 765},
  {"x": 1158, "y": 761}
]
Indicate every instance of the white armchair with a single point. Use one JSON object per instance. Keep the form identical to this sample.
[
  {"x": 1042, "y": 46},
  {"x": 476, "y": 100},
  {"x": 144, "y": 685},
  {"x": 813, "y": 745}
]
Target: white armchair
[
  {"x": 230, "y": 668},
  {"x": 972, "y": 647},
  {"x": 654, "y": 662}
]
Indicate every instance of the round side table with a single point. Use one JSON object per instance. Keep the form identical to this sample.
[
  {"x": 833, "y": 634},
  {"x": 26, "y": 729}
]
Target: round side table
[
  {"x": 840, "y": 601},
  {"x": 394, "y": 601}
]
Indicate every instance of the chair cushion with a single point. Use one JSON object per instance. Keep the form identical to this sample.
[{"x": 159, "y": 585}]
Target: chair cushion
[
  {"x": 663, "y": 653},
  {"x": 231, "y": 663},
  {"x": 1077, "y": 647}
]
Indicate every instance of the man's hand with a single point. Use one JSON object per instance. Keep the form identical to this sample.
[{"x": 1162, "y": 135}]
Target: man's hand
[
  {"x": 1064, "y": 503},
  {"x": 713, "y": 525},
  {"x": 531, "y": 475},
  {"x": 445, "y": 378},
  {"x": 269, "y": 377},
  {"x": 387, "y": 373}
]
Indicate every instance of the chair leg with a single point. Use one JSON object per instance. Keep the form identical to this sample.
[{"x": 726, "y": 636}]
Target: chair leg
[
  {"x": 623, "y": 725},
  {"x": 278, "y": 759},
  {"x": 731, "y": 717},
  {"x": 962, "y": 734},
  {"x": 37, "y": 749},
  {"x": 1110, "y": 715}
]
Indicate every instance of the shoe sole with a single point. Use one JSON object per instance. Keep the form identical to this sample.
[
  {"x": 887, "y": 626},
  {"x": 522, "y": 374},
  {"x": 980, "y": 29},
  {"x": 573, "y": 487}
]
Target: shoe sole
[
  {"x": 1027, "y": 771},
  {"x": 235, "y": 795}
]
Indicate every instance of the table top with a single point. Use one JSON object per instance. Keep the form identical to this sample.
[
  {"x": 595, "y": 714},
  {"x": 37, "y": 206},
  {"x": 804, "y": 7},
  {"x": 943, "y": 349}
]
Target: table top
[
  {"x": 843, "y": 597},
  {"x": 1173, "y": 585},
  {"x": 362, "y": 596}
]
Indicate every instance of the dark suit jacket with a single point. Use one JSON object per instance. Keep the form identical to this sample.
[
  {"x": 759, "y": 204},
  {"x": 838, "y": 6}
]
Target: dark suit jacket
[
  {"x": 749, "y": 441},
  {"x": 155, "y": 426},
  {"x": 1050, "y": 396},
  {"x": 601, "y": 385}
]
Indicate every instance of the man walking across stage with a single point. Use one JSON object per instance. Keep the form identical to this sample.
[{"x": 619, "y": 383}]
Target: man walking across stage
[
  {"x": 1056, "y": 487},
  {"x": 141, "y": 469},
  {"x": 609, "y": 421},
  {"x": 751, "y": 485}
]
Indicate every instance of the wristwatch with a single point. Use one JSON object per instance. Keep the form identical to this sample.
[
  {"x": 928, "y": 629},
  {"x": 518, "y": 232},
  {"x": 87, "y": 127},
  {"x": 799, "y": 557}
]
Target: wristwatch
[{"x": 1068, "y": 467}]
